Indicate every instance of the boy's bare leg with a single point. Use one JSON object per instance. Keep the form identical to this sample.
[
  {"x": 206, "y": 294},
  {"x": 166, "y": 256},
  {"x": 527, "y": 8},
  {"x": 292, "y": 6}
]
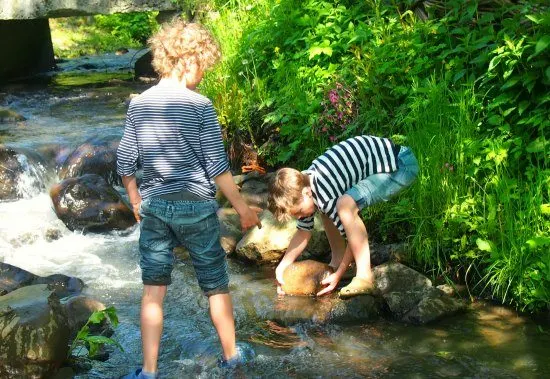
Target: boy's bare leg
[
  {"x": 151, "y": 324},
  {"x": 221, "y": 313},
  {"x": 356, "y": 232},
  {"x": 336, "y": 242}
]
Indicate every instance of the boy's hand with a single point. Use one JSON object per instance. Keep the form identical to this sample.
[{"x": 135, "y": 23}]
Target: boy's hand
[
  {"x": 330, "y": 282},
  {"x": 135, "y": 209},
  {"x": 279, "y": 276},
  {"x": 249, "y": 218}
]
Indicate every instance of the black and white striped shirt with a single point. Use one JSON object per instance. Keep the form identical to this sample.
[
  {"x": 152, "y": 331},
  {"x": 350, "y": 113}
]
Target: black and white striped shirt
[
  {"x": 174, "y": 135},
  {"x": 341, "y": 167}
]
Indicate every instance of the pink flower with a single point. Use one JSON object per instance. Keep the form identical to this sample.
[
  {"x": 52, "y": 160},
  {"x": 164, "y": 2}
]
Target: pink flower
[
  {"x": 324, "y": 129},
  {"x": 333, "y": 96},
  {"x": 332, "y": 138}
]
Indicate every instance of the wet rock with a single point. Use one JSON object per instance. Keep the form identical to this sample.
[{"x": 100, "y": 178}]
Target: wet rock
[
  {"x": 144, "y": 67},
  {"x": 35, "y": 338},
  {"x": 230, "y": 229},
  {"x": 304, "y": 278},
  {"x": 88, "y": 203},
  {"x": 8, "y": 116},
  {"x": 95, "y": 156},
  {"x": 410, "y": 296},
  {"x": 269, "y": 243},
  {"x": 12, "y": 278},
  {"x": 433, "y": 306},
  {"x": 393, "y": 277},
  {"x": 21, "y": 172},
  {"x": 52, "y": 234},
  {"x": 79, "y": 309}
]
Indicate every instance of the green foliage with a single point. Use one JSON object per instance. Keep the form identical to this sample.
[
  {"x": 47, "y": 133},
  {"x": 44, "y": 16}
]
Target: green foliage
[
  {"x": 84, "y": 339},
  {"x": 76, "y": 36},
  {"x": 466, "y": 85},
  {"x": 133, "y": 26}
]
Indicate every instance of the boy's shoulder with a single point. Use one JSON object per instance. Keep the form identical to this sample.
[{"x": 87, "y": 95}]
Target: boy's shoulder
[{"x": 165, "y": 93}]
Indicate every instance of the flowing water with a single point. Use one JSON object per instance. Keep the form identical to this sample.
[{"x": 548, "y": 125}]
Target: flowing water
[{"x": 487, "y": 341}]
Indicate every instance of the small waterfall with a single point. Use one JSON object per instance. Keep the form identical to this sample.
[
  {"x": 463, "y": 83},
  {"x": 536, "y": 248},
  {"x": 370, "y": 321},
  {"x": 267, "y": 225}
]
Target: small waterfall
[{"x": 32, "y": 180}]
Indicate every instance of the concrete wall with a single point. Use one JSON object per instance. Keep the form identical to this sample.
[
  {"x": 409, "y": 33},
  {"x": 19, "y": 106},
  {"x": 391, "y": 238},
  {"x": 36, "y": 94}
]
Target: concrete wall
[{"x": 33, "y": 9}]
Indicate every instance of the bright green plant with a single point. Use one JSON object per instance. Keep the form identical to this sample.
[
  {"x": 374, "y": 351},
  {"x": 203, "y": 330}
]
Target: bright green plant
[{"x": 84, "y": 339}]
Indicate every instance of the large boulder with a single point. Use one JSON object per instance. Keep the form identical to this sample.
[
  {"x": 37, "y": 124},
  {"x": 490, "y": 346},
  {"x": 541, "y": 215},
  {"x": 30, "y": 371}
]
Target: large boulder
[
  {"x": 35, "y": 337},
  {"x": 97, "y": 156},
  {"x": 410, "y": 297},
  {"x": 269, "y": 243},
  {"x": 88, "y": 203}
]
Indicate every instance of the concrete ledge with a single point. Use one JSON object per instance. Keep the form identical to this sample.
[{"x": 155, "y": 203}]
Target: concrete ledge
[{"x": 34, "y": 9}]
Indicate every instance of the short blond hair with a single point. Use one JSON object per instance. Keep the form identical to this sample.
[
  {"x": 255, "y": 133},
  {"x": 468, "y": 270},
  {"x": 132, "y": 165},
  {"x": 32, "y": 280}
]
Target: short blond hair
[
  {"x": 179, "y": 44},
  {"x": 285, "y": 192}
]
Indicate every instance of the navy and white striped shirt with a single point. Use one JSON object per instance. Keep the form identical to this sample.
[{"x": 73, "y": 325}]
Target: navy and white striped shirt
[
  {"x": 341, "y": 167},
  {"x": 174, "y": 135}
]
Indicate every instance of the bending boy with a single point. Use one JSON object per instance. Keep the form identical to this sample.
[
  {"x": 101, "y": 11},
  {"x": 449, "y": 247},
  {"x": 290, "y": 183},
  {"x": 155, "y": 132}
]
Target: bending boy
[
  {"x": 172, "y": 132},
  {"x": 349, "y": 176}
]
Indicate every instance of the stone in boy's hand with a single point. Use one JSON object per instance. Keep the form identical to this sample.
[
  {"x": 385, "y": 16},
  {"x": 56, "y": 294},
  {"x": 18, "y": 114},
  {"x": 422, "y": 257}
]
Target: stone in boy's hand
[{"x": 304, "y": 278}]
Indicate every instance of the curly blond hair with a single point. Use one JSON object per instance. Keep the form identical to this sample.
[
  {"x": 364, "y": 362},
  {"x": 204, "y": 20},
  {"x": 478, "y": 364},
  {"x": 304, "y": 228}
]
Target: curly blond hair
[
  {"x": 285, "y": 192},
  {"x": 179, "y": 44}
]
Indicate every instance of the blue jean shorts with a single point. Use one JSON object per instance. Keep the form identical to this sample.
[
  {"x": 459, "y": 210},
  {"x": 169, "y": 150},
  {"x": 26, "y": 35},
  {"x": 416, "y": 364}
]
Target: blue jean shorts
[
  {"x": 382, "y": 187},
  {"x": 194, "y": 225}
]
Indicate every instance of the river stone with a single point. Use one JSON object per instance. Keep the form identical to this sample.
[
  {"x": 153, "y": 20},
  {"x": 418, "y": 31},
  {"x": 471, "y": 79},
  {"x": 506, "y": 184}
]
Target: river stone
[
  {"x": 230, "y": 229},
  {"x": 96, "y": 155},
  {"x": 9, "y": 116},
  {"x": 79, "y": 309},
  {"x": 434, "y": 305},
  {"x": 304, "y": 278},
  {"x": 12, "y": 278},
  {"x": 269, "y": 243},
  {"x": 35, "y": 337},
  {"x": 88, "y": 203},
  {"x": 391, "y": 277}
]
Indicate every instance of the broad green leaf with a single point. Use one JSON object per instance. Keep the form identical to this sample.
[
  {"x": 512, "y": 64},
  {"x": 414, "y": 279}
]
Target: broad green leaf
[
  {"x": 538, "y": 242},
  {"x": 97, "y": 317},
  {"x": 542, "y": 44},
  {"x": 484, "y": 245},
  {"x": 537, "y": 146},
  {"x": 318, "y": 50}
]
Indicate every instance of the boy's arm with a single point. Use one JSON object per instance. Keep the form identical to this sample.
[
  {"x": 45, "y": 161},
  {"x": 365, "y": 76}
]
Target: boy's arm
[
  {"x": 332, "y": 280},
  {"x": 247, "y": 215},
  {"x": 135, "y": 198},
  {"x": 296, "y": 246}
]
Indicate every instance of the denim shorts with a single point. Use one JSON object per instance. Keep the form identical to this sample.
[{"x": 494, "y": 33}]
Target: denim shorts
[
  {"x": 194, "y": 225},
  {"x": 382, "y": 187}
]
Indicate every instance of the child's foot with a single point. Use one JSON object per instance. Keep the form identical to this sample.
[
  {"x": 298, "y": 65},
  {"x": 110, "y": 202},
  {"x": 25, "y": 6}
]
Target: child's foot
[
  {"x": 358, "y": 286},
  {"x": 139, "y": 374},
  {"x": 245, "y": 354}
]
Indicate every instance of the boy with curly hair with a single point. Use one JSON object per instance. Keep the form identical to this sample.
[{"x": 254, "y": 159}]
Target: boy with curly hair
[
  {"x": 172, "y": 132},
  {"x": 349, "y": 176}
]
